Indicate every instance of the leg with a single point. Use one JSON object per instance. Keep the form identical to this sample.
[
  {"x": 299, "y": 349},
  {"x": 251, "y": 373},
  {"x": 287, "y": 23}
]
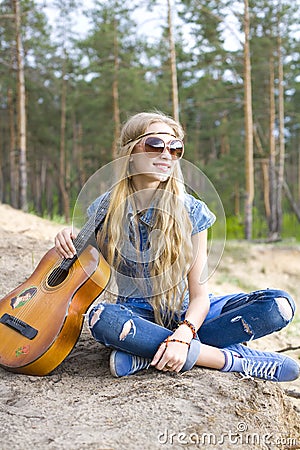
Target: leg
[
  {"x": 259, "y": 313},
  {"x": 119, "y": 327},
  {"x": 237, "y": 318},
  {"x": 211, "y": 357},
  {"x": 250, "y": 363}
]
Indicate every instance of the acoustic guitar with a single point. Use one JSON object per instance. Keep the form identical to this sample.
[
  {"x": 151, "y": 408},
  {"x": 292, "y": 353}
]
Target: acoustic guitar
[{"x": 41, "y": 320}]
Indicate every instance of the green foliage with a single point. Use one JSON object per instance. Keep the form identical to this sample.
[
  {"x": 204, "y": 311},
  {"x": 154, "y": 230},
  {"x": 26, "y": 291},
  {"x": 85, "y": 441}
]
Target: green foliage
[
  {"x": 117, "y": 47},
  {"x": 235, "y": 227},
  {"x": 290, "y": 227}
]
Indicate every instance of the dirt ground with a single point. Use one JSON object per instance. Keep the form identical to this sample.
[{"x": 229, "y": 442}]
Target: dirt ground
[{"x": 80, "y": 406}]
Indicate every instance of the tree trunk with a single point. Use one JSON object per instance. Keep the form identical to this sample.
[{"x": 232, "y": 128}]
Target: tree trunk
[
  {"x": 43, "y": 182},
  {"x": 62, "y": 153},
  {"x": 289, "y": 196},
  {"x": 21, "y": 109},
  {"x": 115, "y": 92},
  {"x": 248, "y": 127},
  {"x": 237, "y": 209},
  {"x": 266, "y": 181},
  {"x": 13, "y": 172},
  {"x": 37, "y": 187},
  {"x": 2, "y": 197},
  {"x": 175, "y": 101},
  {"x": 225, "y": 144},
  {"x": 77, "y": 154},
  {"x": 281, "y": 134},
  {"x": 265, "y": 174},
  {"x": 80, "y": 165},
  {"x": 273, "y": 234},
  {"x": 298, "y": 170}
]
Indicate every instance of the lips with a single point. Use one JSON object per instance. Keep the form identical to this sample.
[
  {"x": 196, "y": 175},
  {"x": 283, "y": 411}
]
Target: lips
[{"x": 162, "y": 166}]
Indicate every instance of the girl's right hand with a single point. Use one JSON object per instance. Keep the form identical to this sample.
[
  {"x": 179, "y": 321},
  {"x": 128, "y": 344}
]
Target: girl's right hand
[{"x": 64, "y": 243}]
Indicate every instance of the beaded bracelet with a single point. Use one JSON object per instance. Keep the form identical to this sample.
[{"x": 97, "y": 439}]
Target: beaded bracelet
[
  {"x": 190, "y": 325},
  {"x": 176, "y": 340}
]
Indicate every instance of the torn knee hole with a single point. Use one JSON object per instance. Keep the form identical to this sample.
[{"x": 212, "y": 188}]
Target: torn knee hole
[
  {"x": 96, "y": 316},
  {"x": 128, "y": 328},
  {"x": 284, "y": 307}
]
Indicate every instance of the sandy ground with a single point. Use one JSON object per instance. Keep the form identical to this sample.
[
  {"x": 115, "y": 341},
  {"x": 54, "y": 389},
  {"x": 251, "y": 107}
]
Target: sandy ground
[{"x": 80, "y": 406}]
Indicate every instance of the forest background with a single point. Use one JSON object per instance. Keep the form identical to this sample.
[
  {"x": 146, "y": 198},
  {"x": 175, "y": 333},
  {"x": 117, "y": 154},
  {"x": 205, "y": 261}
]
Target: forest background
[{"x": 229, "y": 70}]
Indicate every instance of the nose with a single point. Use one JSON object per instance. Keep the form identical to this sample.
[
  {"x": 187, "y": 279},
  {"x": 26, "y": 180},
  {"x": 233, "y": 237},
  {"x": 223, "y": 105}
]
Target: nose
[{"x": 166, "y": 153}]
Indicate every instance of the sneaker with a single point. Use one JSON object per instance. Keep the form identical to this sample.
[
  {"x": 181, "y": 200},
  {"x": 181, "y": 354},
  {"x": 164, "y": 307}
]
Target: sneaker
[
  {"x": 122, "y": 364},
  {"x": 265, "y": 365}
]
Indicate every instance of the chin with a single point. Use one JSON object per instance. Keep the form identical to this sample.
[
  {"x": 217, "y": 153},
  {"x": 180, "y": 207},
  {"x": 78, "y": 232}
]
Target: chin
[
  {"x": 154, "y": 176},
  {"x": 163, "y": 177}
]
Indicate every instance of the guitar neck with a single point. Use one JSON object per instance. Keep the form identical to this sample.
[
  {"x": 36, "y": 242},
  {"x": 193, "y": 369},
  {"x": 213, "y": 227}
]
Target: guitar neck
[{"x": 85, "y": 236}]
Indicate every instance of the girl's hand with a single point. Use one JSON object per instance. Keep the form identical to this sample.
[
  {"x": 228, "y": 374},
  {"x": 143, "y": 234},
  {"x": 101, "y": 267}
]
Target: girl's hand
[
  {"x": 64, "y": 243},
  {"x": 171, "y": 356}
]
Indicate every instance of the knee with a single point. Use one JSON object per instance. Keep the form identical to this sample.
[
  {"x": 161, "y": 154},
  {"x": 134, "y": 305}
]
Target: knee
[
  {"x": 285, "y": 308},
  {"x": 105, "y": 311},
  {"x": 111, "y": 321},
  {"x": 281, "y": 309},
  {"x": 95, "y": 314},
  {"x": 285, "y": 304}
]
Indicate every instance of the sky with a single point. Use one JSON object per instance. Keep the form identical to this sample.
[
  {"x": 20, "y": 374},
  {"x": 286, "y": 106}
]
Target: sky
[{"x": 149, "y": 23}]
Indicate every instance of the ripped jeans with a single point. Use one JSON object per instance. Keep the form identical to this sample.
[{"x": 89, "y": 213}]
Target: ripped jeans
[{"x": 232, "y": 319}]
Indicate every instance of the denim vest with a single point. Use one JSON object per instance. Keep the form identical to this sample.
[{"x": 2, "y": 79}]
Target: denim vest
[{"x": 133, "y": 276}]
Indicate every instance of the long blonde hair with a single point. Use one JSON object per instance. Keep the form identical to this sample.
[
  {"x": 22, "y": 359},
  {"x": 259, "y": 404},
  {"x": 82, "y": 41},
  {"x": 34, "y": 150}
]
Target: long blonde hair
[{"x": 172, "y": 249}]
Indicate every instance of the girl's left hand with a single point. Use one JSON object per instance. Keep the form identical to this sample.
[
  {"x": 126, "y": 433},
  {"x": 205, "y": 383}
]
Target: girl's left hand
[{"x": 171, "y": 356}]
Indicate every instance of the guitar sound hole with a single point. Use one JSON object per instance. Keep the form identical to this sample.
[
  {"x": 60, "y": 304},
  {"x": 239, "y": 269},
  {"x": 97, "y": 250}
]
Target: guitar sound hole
[{"x": 57, "y": 277}]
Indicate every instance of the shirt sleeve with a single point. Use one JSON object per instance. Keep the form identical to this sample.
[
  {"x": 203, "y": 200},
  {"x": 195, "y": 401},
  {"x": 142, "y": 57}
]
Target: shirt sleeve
[
  {"x": 96, "y": 204},
  {"x": 200, "y": 215}
]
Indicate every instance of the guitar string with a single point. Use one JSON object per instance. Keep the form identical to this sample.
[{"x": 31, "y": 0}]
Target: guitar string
[
  {"x": 90, "y": 227},
  {"x": 79, "y": 242}
]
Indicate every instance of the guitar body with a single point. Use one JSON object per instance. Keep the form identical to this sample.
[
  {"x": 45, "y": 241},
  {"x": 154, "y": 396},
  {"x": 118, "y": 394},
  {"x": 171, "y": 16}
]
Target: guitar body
[{"x": 41, "y": 320}]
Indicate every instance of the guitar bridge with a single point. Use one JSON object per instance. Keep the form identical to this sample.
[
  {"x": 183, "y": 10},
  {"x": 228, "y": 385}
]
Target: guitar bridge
[{"x": 19, "y": 326}]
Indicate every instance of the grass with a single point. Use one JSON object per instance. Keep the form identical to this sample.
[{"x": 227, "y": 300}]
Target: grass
[
  {"x": 224, "y": 278},
  {"x": 290, "y": 227},
  {"x": 293, "y": 329}
]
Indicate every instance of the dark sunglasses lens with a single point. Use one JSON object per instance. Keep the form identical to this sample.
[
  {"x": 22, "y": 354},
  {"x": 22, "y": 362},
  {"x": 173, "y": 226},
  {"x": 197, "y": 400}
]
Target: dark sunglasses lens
[
  {"x": 176, "y": 149},
  {"x": 154, "y": 145}
]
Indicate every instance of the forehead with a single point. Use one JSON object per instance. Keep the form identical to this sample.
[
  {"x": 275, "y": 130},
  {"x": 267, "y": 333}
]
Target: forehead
[{"x": 160, "y": 127}]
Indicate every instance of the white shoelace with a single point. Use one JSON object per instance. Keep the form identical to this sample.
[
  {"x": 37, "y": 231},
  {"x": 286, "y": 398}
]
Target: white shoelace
[
  {"x": 259, "y": 369},
  {"x": 139, "y": 363}
]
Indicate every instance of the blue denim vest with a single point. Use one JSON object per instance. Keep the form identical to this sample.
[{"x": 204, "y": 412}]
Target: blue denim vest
[{"x": 133, "y": 277}]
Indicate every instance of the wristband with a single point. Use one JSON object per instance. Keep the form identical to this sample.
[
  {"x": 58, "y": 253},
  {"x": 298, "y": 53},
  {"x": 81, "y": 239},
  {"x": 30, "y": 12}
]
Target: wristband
[
  {"x": 175, "y": 340},
  {"x": 190, "y": 325}
]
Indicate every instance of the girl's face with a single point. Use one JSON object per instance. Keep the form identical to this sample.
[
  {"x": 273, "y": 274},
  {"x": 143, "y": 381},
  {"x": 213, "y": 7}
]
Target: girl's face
[{"x": 150, "y": 168}]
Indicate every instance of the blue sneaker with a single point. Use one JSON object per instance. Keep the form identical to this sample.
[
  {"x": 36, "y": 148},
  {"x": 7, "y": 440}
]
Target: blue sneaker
[
  {"x": 122, "y": 364},
  {"x": 265, "y": 365}
]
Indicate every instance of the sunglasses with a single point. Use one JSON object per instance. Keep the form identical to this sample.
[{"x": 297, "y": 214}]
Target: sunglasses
[{"x": 154, "y": 146}]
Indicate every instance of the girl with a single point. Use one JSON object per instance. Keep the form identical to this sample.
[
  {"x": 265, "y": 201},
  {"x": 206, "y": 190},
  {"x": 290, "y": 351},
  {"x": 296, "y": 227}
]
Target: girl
[{"x": 154, "y": 235}]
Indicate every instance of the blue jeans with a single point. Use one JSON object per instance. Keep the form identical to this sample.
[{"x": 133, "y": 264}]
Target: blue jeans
[{"x": 232, "y": 319}]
